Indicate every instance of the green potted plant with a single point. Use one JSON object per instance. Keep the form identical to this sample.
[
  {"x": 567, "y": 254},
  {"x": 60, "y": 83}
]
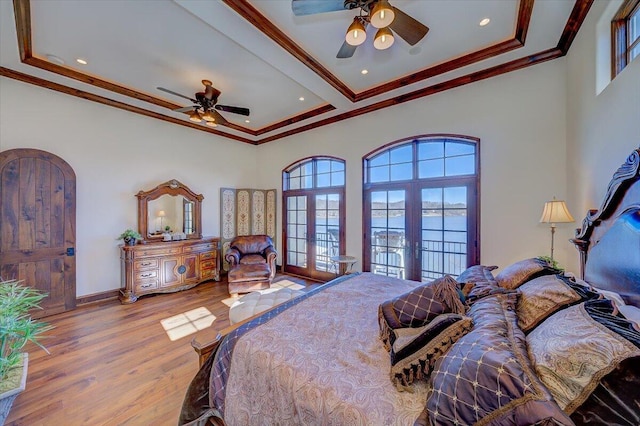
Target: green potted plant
[
  {"x": 130, "y": 237},
  {"x": 16, "y": 329}
]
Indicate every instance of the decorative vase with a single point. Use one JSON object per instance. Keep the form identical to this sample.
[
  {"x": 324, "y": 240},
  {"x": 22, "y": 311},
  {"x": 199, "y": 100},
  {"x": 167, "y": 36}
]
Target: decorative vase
[
  {"x": 15, "y": 383},
  {"x": 130, "y": 241}
]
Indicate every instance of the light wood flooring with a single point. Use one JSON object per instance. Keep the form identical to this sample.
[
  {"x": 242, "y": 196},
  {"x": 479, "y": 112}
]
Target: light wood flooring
[{"x": 114, "y": 364}]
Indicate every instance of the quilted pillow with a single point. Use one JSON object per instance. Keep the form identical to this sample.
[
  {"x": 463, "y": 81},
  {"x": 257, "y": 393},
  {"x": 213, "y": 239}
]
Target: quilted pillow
[
  {"x": 516, "y": 274},
  {"x": 542, "y": 296},
  {"x": 418, "y": 307},
  {"x": 486, "y": 376},
  {"x": 415, "y": 350},
  {"x": 571, "y": 360}
]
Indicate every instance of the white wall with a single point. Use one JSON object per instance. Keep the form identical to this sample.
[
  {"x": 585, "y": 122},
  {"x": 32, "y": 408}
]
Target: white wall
[
  {"x": 520, "y": 119},
  {"x": 115, "y": 154},
  {"x": 601, "y": 129}
]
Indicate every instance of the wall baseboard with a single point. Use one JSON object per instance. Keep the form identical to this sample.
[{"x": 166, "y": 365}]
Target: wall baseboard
[{"x": 97, "y": 297}]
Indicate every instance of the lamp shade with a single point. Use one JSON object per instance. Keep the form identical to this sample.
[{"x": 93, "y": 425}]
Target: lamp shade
[
  {"x": 556, "y": 211},
  {"x": 208, "y": 116},
  {"x": 195, "y": 117},
  {"x": 384, "y": 39},
  {"x": 161, "y": 213},
  {"x": 382, "y": 14},
  {"x": 356, "y": 34}
]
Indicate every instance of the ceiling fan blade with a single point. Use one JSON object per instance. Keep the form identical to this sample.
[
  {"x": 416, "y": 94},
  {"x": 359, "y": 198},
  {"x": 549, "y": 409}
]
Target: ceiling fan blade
[
  {"x": 177, "y": 94},
  {"x": 233, "y": 109},
  {"x": 346, "y": 51},
  {"x": 408, "y": 28},
  {"x": 310, "y": 7},
  {"x": 186, "y": 109},
  {"x": 219, "y": 118}
]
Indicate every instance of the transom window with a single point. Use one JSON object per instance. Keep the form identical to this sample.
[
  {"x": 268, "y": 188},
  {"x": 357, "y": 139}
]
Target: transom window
[
  {"x": 625, "y": 33},
  {"x": 421, "y": 207}
]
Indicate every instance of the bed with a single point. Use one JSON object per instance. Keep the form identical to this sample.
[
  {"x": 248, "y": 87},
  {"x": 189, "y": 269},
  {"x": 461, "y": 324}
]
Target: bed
[{"x": 514, "y": 357}]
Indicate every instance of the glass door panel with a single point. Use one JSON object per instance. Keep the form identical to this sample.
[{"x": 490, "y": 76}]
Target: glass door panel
[
  {"x": 388, "y": 233},
  {"x": 327, "y": 231},
  {"x": 444, "y": 233},
  {"x": 297, "y": 231}
]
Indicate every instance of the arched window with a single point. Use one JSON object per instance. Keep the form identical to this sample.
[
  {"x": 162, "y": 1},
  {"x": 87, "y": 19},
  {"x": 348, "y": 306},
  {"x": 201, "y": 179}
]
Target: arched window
[
  {"x": 421, "y": 207},
  {"x": 314, "y": 216}
]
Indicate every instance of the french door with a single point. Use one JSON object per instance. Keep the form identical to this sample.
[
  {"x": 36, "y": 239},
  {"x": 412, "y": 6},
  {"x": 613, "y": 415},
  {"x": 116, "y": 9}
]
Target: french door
[
  {"x": 421, "y": 208},
  {"x": 314, "y": 216},
  {"x": 313, "y": 237}
]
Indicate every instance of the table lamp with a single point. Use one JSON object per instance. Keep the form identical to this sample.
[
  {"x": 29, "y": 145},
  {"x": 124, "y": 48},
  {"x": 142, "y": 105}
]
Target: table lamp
[
  {"x": 555, "y": 211},
  {"x": 161, "y": 215}
]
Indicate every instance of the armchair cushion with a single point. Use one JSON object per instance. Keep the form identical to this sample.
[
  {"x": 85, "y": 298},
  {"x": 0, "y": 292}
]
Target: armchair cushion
[{"x": 250, "y": 259}]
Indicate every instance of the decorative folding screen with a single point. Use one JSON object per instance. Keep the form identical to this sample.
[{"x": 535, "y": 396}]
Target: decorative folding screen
[{"x": 246, "y": 212}]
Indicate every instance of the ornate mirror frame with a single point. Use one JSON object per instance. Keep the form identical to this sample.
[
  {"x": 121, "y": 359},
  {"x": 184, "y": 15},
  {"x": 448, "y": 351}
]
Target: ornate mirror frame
[{"x": 173, "y": 188}]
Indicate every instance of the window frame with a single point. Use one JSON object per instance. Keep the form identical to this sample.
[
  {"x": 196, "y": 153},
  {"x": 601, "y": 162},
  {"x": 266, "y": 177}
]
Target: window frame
[
  {"x": 621, "y": 46},
  {"x": 311, "y": 193},
  {"x": 472, "y": 181}
]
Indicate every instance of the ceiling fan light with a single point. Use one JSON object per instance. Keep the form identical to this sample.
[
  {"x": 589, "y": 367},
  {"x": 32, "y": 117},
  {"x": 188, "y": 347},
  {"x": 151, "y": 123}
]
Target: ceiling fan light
[
  {"x": 211, "y": 123},
  {"x": 195, "y": 117},
  {"x": 384, "y": 39},
  {"x": 382, "y": 14},
  {"x": 208, "y": 116},
  {"x": 356, "y": 34}
]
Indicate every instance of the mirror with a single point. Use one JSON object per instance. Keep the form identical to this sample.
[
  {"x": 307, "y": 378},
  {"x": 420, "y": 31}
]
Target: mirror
[{"x": 172, "y": 205}]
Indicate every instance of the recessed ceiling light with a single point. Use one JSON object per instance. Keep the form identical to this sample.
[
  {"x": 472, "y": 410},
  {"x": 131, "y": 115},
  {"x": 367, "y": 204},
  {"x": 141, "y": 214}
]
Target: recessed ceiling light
[
  {"x": 484, "y": 22},
  {"x": 247, "y": 121},
  {"x": 81, "y": 61},
  {"x": 301, "y": 98},
  {"x": 363, "y": 72},
  {"x": 55, "y": 59}
]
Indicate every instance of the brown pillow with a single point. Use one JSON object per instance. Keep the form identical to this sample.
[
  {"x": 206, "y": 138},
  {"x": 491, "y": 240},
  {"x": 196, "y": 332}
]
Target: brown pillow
[
  {"x": 542, "y": 296},
  {"x": 418, "y": 307},
  {"x": 516, "y": 274}
]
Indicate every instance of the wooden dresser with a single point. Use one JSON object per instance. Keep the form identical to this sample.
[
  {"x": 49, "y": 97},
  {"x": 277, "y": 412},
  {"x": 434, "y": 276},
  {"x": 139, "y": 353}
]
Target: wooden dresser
[{"x": 165, "y": 267}]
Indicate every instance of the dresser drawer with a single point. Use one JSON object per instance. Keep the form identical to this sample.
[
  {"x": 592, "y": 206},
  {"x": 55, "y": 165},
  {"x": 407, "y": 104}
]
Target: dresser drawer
[
  {"x": 158, "y": 252},
  {"x": 207, "y": 273},
  {"x": 145, "y": 264},
  {"x": 208, "y": 255},
  {"x": 208, "y": 264},
  {"x": 145, "y": 275},
  {"x": 200, "y": 247},
  {"x": 146, "y": 285}
]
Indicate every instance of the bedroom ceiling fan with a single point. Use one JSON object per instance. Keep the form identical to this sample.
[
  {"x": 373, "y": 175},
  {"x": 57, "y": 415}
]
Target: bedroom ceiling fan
[
  {"x": 205, "y": 105},
  {"x": 379, "y": 13}
]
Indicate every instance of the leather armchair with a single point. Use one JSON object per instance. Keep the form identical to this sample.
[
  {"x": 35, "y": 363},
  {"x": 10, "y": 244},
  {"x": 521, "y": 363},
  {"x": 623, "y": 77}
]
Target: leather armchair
[{"x": 252, "y": 263}]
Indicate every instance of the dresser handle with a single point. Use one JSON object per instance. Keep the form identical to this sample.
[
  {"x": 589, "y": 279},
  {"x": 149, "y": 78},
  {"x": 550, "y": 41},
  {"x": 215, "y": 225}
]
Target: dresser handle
[
  {"x": 146, "y": 275},
  {"x": 146, "y": 264},
  {"x": 145, "y": 286}
]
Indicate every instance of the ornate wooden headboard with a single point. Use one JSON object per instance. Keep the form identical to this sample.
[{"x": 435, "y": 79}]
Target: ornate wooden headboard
[{"x": 609, "y": 240}]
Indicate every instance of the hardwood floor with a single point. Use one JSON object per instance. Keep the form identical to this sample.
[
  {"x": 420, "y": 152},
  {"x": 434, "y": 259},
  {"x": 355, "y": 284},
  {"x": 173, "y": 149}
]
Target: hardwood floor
[{"x": 114, "y": 364}]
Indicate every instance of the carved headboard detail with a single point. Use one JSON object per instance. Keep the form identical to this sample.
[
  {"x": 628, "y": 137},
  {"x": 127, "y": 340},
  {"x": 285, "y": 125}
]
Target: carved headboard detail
[{"x": 609, "y": 240}]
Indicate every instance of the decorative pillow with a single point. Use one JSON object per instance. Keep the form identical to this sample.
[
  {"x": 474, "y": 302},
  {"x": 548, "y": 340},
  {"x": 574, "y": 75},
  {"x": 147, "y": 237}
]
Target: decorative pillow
[
  {"x": 547, "y": 294},
  {"x": 486, "y": 376},
  {"x": 415, "y": 350},
  {"x": 417, "y": 307},
  {"x": 575, "y": 348},
  {"x": 516, "y": 274},
  {"x": 477, "y": 281}
]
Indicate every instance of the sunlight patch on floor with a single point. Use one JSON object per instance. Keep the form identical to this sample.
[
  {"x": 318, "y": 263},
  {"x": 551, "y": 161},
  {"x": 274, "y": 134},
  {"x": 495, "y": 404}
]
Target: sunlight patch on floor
[
  {"x": 184, "y": 324},
  {"x": 287, "y": 284}
]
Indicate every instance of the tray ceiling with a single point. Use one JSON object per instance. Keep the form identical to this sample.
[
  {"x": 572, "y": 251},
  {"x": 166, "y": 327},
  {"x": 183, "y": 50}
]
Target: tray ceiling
[{"x": 262, "y": 57}]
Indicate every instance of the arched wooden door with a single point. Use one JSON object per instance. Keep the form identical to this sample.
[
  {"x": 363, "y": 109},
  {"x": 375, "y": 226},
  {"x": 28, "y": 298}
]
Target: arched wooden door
[{"x": 37, "y": 225}]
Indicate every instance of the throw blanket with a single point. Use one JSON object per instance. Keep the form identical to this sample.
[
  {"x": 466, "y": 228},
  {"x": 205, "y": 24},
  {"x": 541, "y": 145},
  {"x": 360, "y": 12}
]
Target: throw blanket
[{"x": 320, "y": 361}]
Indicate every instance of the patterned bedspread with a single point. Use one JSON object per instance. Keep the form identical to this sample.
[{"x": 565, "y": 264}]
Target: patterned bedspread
[{"x": 319, "y": 362}]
